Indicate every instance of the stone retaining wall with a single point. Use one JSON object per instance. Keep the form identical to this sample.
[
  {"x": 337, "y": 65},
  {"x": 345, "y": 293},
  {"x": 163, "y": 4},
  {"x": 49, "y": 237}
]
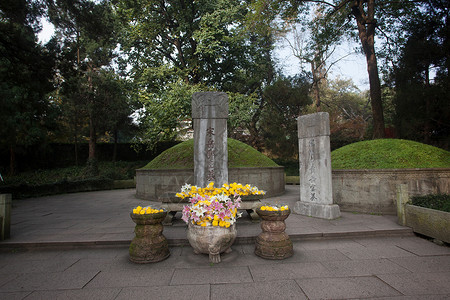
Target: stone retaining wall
[
  {"x": 157, "y": 184},
  {"x": 374, "y": 191}
]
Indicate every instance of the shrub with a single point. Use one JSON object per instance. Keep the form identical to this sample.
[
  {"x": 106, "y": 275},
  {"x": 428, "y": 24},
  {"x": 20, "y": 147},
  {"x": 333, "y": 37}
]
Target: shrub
[
  {"x": 436, "y": 201},
  {"x": 71, "y": 179}
]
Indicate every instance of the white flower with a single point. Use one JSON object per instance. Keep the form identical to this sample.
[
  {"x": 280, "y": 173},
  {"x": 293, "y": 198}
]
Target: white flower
[
  {"x": 186, "y": 188},
  {"x": 199, "y": 210},
  {"x": 222, "y": 198}
]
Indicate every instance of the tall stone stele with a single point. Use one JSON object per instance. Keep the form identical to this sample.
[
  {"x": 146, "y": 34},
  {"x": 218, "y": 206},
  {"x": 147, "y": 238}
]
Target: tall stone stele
[
  {"x": 316, "y": 194},
  {"x": 210, "y": 113}
]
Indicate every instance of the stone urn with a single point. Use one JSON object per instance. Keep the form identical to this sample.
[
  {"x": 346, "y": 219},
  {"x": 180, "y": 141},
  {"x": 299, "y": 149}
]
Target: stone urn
[
  {"x": 273, "y": 242},
  {"x": 149, "y": 245},
  {"x": 212, "y": 240}
]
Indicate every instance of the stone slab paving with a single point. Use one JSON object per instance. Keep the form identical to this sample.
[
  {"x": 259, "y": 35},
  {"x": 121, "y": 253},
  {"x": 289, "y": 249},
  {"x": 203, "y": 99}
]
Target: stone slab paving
[
  {"x": 103, "y": 218},
  {"x": 75, "y": 246},
  {"x": 319, "y": 269}
]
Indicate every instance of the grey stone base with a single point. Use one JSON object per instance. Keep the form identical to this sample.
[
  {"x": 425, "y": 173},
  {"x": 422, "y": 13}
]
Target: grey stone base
[{"x": 323, "y": 211}]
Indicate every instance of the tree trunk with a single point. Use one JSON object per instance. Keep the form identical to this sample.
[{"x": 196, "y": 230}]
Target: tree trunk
[
  {"x": 115, "y": 146},
  {"x": 92, "y": 139},
  {"x": 92, "y": 164},
  {"x": 427, "y": 127},
  {"x": 76, "y": 148},
  {"x": 315, "y": 87},
  {"x": 12, "y": 160},
  {"x": 366, "y": 30}
]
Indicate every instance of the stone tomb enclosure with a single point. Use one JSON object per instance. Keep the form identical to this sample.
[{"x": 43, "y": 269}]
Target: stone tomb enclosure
[
  {"x": 157, "y": 185},
  {"x": 375, "y": 191}
]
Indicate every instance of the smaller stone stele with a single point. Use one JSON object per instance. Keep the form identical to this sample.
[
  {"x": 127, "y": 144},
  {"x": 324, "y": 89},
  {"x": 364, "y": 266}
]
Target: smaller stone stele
[
  {"x": 149, "y": 245},
  {"x": 316, "y": 193},
  {"x": 273, "y": 242}
]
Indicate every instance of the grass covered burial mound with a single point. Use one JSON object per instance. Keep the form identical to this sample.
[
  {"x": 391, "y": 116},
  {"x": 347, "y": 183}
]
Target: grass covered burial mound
[
  {"x": 181, "y": 156},
  {"x": 389, "y": 154}
]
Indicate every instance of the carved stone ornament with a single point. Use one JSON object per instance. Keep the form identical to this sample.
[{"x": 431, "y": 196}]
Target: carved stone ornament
[{"x": 210, "y": 105}]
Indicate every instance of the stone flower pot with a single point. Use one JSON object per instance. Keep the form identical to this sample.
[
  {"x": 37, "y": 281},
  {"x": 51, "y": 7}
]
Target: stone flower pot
[
  {"x": 211, "y": 240},
  {"x": 273, "y": 242},
  {"x": 149, "y": 245}
]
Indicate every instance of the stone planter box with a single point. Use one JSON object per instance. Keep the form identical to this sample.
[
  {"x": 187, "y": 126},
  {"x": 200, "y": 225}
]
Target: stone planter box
[
  {"x": 374, "y": 191},
  {"x": 157, "y": 185},
  {"x": 429, "y": 222}
]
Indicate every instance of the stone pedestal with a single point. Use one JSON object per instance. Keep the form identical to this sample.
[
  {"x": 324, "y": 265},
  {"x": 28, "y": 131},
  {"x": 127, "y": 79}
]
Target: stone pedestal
[
  {"x": 149, "y": 245},
  {"x": 210, "y": 114},
  {"x": 5, "y": 216},
  {"x": 316, "y": 194},
  {"x": 273, "y": 242}
]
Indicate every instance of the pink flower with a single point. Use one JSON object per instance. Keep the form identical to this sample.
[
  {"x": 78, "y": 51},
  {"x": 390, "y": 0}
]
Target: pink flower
[
  {"x": 217, "y": 205},
  {"x": 195, "y": 217},
  {"x": 185, "y": 213}
]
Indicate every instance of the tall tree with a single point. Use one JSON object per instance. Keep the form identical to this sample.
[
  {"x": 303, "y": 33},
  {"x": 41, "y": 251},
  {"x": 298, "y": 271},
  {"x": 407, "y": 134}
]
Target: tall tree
[
  {"x": 285, "y": 100},
  {"x": 173, "y": 45},
  {"x": 313, "y": 41},
  {"x": 421, "y": 101},
  {"x": 364, "y": 13},
  {"x": 88, "y": 34},
  {"x": 369, "y": 17},
  {"x": 349, "y": 111},
  {"x": 26, "y": 70},
  {"x": 196, "y": 41}
]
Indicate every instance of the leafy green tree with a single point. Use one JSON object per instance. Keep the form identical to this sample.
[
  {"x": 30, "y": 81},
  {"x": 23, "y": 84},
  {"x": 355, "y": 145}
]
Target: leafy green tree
[
  {"x": 285, "y": 100},
  {"x": 196, "y": 41},
  {"x": 26, "y": 70},
  {"x": 166, "y": 116},
  {"x": 348, "y": 109},
  {"x": 314, "y": 41},
  {"x": 421, "y": 102},
  {"x": 174, "y": 48},
  {"x": 369, "y": 17},
  {"x": 88, "y": 34}
]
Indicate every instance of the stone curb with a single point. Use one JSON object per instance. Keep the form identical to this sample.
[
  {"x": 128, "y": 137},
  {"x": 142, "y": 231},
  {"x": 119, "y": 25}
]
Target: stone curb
[{"x": 179, "y": 242}]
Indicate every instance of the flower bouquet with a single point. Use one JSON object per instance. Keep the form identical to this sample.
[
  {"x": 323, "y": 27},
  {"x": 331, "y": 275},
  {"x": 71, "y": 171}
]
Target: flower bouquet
[
  {"x": 211, "y": 206},
  {"x": 211, "y": 216}
]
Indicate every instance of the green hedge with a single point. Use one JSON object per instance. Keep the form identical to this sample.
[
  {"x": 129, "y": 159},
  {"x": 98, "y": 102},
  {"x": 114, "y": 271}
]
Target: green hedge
[
  {"x": 437, "y": 201},
  {"x": 25, "y": 190}
]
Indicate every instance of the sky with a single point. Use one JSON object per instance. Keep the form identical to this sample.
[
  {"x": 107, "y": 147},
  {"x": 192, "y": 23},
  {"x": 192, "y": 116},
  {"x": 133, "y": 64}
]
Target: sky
[
  {"x": 46, "y": 32},
  {"x": 352, "y": 66}
]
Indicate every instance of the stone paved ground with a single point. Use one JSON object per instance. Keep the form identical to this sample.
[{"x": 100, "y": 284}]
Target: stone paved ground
[
  {"x": 387, "y": 267},
  {"x": 54, "y": 253},
  {"x": 104, "y": 218}
]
